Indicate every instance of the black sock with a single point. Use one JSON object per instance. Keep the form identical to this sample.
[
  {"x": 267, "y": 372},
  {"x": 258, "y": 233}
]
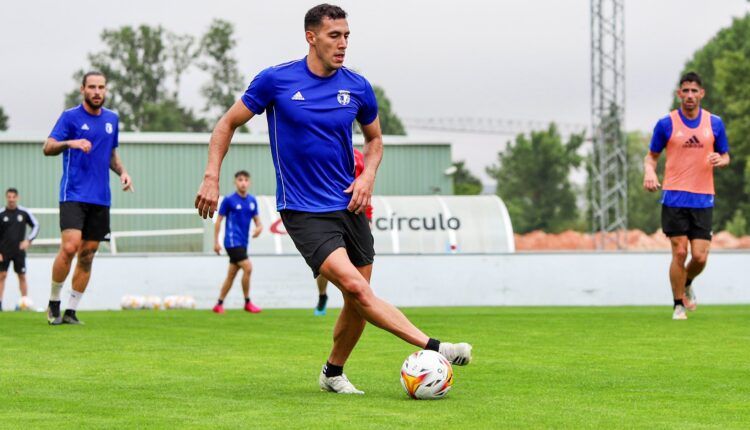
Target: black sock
[
  {"x": 678, "y": 302},
  {"x": 247, "y": 300},
  {"x": 322, "y": 300},
  {"x": 70, "y": 312},
  {"x": 688, "y": 282},
  {"x": 332, "y": 370},
  {"x": 221, "y": 302},
  {"x": 433, "y": 345}
]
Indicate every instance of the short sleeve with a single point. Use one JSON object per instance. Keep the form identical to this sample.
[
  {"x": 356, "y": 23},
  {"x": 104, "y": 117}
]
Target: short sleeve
[
  {"x": 368, "y": 111},
  {"x": 260, "y": 93},
  {"x": 116, "y": 142},
  {"x": 661, "y": 136},
  {"x": 224, "y": 207},
  {"x": 721, "y": 143},
  {"x": 61, "y": 131}
]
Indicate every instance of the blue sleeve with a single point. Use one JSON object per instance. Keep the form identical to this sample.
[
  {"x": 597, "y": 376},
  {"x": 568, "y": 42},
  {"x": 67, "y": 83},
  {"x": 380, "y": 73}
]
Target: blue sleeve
[
  {"x": 721, "y": 144},
  {"x": 61, "y": 131},
  {"x": 116, "y": 143},
  {"x": 224, "y": 207},
  {"x": 369, "y": 109},
  {"x": 260, "y": 93},
  {"x": 662, "y": 132}
]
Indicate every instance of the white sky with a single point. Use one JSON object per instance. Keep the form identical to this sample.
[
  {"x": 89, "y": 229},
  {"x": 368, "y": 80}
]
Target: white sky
[{"x": 508, "y": 59}]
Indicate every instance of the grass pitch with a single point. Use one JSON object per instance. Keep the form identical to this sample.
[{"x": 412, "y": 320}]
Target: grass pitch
[{"x": 627, "y": 367}]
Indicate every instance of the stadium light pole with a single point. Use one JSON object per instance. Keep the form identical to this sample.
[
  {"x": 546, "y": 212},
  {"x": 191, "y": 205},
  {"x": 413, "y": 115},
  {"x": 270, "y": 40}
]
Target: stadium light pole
[{"x": 608, "y": 168}]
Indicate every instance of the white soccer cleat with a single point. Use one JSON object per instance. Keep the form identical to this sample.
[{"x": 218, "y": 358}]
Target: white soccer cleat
[
  {"x": 679, "y": 313},
  {"x": 337, "y": 384},
  {"x": 690, "y": 302},
  {"x": 456, "y": 353}
]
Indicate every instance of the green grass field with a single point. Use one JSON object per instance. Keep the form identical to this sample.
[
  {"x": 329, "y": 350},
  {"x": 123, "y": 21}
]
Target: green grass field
[{"x": 625, "y": 367}]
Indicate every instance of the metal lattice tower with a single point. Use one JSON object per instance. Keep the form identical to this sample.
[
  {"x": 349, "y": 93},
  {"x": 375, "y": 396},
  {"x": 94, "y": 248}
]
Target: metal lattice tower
[{"x": 609, "y": 184}]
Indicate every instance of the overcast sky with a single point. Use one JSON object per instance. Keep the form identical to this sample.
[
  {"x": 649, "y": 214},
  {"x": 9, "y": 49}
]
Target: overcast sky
[{"x": 506, "y": 59}]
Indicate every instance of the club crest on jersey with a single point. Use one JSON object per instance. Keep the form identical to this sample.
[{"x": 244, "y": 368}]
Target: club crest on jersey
[
  {"x": 19, "y": 218},
  {"x": 5, "y": 219},
  {"x": 343, "y": 97},
  {"x": 108, "y": 127}
]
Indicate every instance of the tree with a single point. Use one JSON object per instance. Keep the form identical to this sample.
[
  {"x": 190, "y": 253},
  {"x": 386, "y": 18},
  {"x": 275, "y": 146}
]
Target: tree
[
  {"x": 644, "y": 208},
  {"x": 3, "y": 119},
  {"x": 464, "y": 182},
  {"x": 724, "y": 65},
  {"x": 225, "y": 80},
  {"x": 533, "y": 179},
  {"x": 390, "y": 123},
  {"x": 169, "y": 115}
]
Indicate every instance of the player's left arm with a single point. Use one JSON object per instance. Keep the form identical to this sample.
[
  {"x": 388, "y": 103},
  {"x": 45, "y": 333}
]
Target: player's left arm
[
  {"x": 362, "y": 187},
  {"x": 115, "y": 163},
  {"x": 258, "y": 229},
  {"x": 720, "y": 156}
]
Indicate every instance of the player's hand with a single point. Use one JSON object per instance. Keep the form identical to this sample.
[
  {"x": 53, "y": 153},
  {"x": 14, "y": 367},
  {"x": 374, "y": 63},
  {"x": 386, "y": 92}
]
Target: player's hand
[
  {"x": 217, "y": 248},
  {"x": 24, "y": 245},
  {"x": 82, "y": 144},
  {"x": 361, "y": 191},
  {"x": 257, "y": 231},
  {"x": 651, "y": 182},
  {"x": 1, "y": 257},
  {"x": 127, "y": 182},
  {"x": 208, "y": 197},
  {"x": 715, "y": 159}
]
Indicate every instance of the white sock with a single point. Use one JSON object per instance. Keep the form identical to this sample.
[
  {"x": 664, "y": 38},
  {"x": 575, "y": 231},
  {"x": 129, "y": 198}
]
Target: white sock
[
  {"x": 75, "y": 297},
  {"x": 54, "y": 294}
]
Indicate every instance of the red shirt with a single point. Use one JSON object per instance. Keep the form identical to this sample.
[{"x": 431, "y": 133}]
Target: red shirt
[{"x": 359, "y": 166}]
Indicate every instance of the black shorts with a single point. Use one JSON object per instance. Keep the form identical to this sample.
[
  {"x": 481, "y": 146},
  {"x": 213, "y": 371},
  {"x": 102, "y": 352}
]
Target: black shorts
[
  {"x": 695, "y": 223},
  {"x": 237, "y": 254},
  {"x": 19, "y": 262},
  {"x": 91, "y": 219},
  {"x": 317, "y": 235}
]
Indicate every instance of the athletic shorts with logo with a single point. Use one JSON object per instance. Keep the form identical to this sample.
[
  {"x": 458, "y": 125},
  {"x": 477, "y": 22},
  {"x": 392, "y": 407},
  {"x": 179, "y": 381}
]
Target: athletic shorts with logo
[
  {"x": 695, "y": 223},
  {"x": 92, "y": 220},
  {"x": 19, "y": 262},
  {"x": 317, "y": 235}
]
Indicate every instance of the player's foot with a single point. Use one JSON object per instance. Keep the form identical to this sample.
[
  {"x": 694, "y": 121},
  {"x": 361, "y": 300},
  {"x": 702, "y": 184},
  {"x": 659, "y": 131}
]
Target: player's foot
[
  {"x": 690, "y": 302},
  {"x": 70, "y": 318},
  {"x": 456, "y": 353},
  {"x": 219, "y": 309},
  {"x": 337, "y": 384},
  {"x": 250, "y": 307},
  {"x": 679, "y": 313},
  {"x": 53, "y": 313},
  {"x": 320, "y": 309}
]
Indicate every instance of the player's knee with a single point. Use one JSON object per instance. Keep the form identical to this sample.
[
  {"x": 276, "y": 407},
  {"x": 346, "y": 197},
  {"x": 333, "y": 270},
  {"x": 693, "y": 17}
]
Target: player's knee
[
  {"x": 86, "y": 258},
  {"x": 69, "y": 249},
  {"x": 680, "y": 254},
  {"x": 358, "y": 289},
  {"x": 700, "y": 258}
]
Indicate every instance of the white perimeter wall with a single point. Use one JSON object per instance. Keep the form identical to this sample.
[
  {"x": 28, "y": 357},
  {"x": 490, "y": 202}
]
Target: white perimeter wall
[{"x": 439, "y": 280}]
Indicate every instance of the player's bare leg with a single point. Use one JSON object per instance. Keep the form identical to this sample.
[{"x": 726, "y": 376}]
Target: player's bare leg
[
  {"x": 226, "y": 286},
  {"x": 678, "y": 274},
  {"x": 23, "y": 285},
  {"x": 699, "y": 249},
  {"x": 81, "y": 277},
  {"x": 247, "y": 270},
  {"x": 69, "y": 244},
  {"x": 349, "y": 326}
]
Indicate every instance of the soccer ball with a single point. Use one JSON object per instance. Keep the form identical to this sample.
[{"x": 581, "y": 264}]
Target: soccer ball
[
  {"x": 131, "y": 302},
  {"x": 426, "y": 375},
  {"x": 152, "y": 302},
  {"x": 24, "y": 304}
]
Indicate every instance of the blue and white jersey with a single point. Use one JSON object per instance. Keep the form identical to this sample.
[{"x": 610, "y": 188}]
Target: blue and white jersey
[
  {"x": 238, "y": 212},
  {"x": 310, "y": 122},
  {"x": 85, "y": 177}
]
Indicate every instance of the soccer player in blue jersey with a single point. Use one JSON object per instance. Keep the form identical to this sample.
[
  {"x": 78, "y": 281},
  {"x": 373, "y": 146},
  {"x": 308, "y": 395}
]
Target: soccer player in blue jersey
[
  {"x": 87, "y": 137},
  {"x": 238, "y": 209},
  {"x": 311, "y": 104}
]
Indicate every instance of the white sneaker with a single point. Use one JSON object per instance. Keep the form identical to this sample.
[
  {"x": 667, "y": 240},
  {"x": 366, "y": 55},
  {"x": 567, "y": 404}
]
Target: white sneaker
[
  {"x": 337, "y": 384},
  {"x": 679, "y": 313},
  {"x": 690, "y": 303},
  {"x": 456, "y": 353}
]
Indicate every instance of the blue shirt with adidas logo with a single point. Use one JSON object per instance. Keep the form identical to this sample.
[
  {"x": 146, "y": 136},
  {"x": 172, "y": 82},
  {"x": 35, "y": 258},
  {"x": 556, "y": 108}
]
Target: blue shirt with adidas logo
[
  {"x": 310, "y": 121},
  {"x": 238, "y": 211},
  {"x": 662, "y": 132},
  {"x": 85, "y": 176}
]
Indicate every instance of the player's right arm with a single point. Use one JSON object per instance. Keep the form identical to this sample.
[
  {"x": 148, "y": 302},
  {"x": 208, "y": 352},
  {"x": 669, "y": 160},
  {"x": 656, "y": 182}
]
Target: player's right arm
[
  {"x": 217, "y": 229},
  {"x": 659, "y": 139},
  {"x": 54, "y": 147},
  {"x": 208, "y": 193},
  {"x": 650, "y": 179}
]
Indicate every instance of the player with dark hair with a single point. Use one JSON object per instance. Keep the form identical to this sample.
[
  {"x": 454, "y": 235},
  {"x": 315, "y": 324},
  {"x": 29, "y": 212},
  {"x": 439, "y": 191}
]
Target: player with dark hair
[
  {"x": 696, "y": 143},
  {"x": 311, "y": 105},
  {"x": 13, "y": 240},
  {"x": 87, "y": 137},
  {"x": 238, "y": 209}
]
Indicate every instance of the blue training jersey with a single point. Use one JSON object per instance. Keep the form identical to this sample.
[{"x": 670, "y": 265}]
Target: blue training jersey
[
  {"x": 310, "y": 122},
  {"x": 85, "y": 177},
  {"x": 662, "y": 133},
  {"x": 238, "y": 212}
]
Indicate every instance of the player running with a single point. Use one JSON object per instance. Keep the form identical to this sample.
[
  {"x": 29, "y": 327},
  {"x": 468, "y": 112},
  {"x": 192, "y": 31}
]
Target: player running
[
  {"x": 238, "y": 208},
  {"x": 13, "y": 240},
  {"x": 311, "y": 105},
  {"x": 321, "y": 281},
  {"x": 87, "y": 136},
  {"x": 696, "y": 143}
]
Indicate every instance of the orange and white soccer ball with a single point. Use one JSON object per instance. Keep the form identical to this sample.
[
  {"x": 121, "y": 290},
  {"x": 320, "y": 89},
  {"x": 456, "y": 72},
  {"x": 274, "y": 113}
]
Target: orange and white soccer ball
[
  {"x": 25, "y": 304},
  {"x": 426, "y": 375}
]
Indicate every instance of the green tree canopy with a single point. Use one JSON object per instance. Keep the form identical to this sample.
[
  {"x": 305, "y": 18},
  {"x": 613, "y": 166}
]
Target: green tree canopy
[
  {"x": 390, "y": 123},
  {"x": 464, "y": 182},
  {"x": 225, "y": 83},
  {"x": 644, "y": 208},
  {"x": 3, "y": 119},
  {"x": 533, "y": 179}
]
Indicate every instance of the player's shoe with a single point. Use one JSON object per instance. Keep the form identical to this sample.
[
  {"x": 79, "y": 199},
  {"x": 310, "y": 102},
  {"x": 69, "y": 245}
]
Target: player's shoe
[
  {"x": 320, "y": 309},
  {"x": 456, "y": 353},
  {"x": 679, "y": 313},
  {"x": 53, "y": 313},
  {"x": 70, "y": 318},
  {"x": 337, "y": 384},
  {"x": 219, "y": 309},
  {"x": 250, "y": 307},
  {"x": 690, "y": 302}
]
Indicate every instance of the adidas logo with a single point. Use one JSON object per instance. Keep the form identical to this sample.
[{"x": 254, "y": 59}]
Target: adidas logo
[
  {"x": 297, "y": 96},
  {"x": 693, "y": 142},
  {"x": 85, "y": 127}
]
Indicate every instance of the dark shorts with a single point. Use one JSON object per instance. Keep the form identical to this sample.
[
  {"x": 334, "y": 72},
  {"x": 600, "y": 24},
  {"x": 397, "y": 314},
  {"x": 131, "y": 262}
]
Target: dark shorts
[
  {"x": 19, "y": 262},
  {"x": 92, "y": 220},
  {"x": 237, "y": 254},
  {"x": 691, "y": 222},
  {"x": 317, "y": 235}
]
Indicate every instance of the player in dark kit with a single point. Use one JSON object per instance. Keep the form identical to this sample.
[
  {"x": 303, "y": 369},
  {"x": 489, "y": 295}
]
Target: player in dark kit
[
  {"x": 311, "y": 104},
  {"x": 13, "y": 240},
  {"x": 87, "y": 136}
]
